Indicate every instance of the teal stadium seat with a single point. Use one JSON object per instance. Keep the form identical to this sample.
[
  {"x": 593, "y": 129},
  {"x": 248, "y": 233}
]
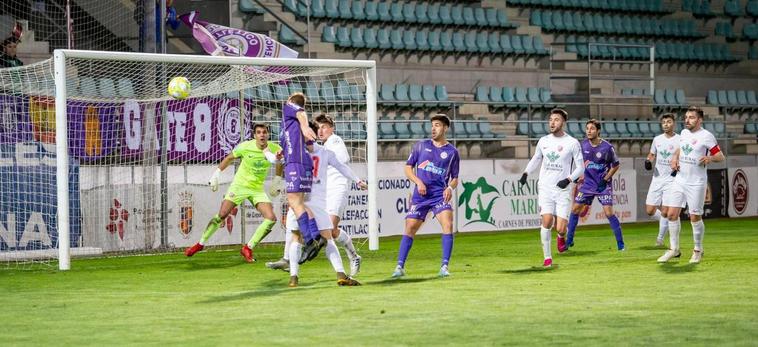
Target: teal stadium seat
[
  {"x": 332, "y": 9},
  {"x": 508, "y": 95},
  {"x": 371, "y": 11},
  {"x": 422, "y": 15},
  {"x": 417, "y": 130},
  {"x": 328, "y": 34},
  {"x": 264, "y": 92},
  {"x": 250, "y": 7},
  {"x": 523, "y": 128},
  {"x": 427, "y": 93},
  {"x": 409, "y": 13},
  {"x": 409, "y": 40},
  {"x": 441, "y": 92},
  {"x": 387, "y": 93},
  {"x": 343, "y": 37},
  {"x": 345, "y": 9},
  {"x": 468, "y": 16},
  {"x": 125, "y": 88},
  {"x": 281, "y": 91},
  {"x": 482, "y": 94},
  {"x": 434, "y": 41},
  {"x": 505, "y": 44},
  {"x": 751, "y": 99},
  {"x": 415, "y": 94},
  {"x": 402, "y": 131},
  {"x": 481, "y": 42},
  {"x": 383, "y": 39},
  {"x": 311, "y": 91},
  {"x": 422, "y": 40},
  {"x": 369, "y": 37},
  {"x": 327, "y": 92},
  {"x": 295, "y": 87},
  {"x": 396, "y": 38},
  {"x": 385, "y": 130},
  {"x": 517, "y": 44},
  {"x": 401, "y": 95},
  {"x": 107, "y": 88},
  {"x": 471, "y": 42},
  {"x": 396, "y": 11},
  {"x": 446, "y": 41},
  {"x": 712, "y": 98},
  {"x": 496, "y": 96},
  {"x": 88, "y": 86},
  {"x": 493, "y": 41},
  {"x": 358, "y": 10},
  {"x": 472, "y": 129},
  {"x": 343, "y": 90},
  {"x": 433, "y": 12},
  {"x": 383, "y": 8},
  {"x": 356, "y": 37},
  {"x": 521, "y": 97},
  {"x": 446, "y": 15},
  {"x": 459, "y": 44},
  {"x": 457, "y": 15}
]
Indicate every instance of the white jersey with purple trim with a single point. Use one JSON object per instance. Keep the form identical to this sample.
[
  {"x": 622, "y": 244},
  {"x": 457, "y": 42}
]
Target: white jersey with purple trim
[{"x": 322, "y": 159}]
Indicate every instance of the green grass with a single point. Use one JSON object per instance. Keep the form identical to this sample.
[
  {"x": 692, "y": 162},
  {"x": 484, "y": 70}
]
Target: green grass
[{"x": 497, "y": 295}]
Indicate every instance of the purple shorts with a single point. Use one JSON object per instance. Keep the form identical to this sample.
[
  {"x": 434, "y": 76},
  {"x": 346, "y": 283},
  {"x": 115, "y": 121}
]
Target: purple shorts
[
  {"x": 420, "y": 209},
  {"x": 297, "y": 178},
  {"x": 605, "y": 198}
]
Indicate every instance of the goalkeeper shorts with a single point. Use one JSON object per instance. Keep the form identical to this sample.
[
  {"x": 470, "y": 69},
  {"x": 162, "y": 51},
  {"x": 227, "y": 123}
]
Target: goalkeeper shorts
[{"x": 238, "y": 194}]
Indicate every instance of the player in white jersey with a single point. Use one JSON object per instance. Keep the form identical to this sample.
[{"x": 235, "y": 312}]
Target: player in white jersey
[
  {"x": 336, "y": 195},
  {"x": 697, "y": 148},
  {"x": 661, "y": 151},
  {"x": 556, "y": 151},
  {"x": 316, "y": 200}
]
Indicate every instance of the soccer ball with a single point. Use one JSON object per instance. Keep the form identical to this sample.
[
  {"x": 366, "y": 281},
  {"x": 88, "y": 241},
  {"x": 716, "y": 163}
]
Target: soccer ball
[{"x": 179, "y": 88}]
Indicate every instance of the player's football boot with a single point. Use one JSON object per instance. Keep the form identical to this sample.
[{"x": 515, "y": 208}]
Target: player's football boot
[
  {"x": 310, "y": 251},
  {"x": 399, "y": 272},
  {"x": 547, "y": 263},
  {"x": 668, "y": 255},
  {"x": 247, "y": 253},
  {"x": 443, "y": 271},
  {"x": 194, "y": 249},
  {"x": 697, "y": 256},
  {"x": 347, "y": 282},
  {"x": 355, "y": 266},
  {"x": 281, "y": 264},
  {"x": 293, "y": 282},
  {"x": 561, "y": 243}
]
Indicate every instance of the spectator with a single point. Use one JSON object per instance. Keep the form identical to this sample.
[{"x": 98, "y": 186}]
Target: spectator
[{"x": 8, "y": 57}]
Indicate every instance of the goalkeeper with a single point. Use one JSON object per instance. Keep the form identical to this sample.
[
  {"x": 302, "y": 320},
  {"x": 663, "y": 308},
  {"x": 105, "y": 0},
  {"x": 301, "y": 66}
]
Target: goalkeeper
[{"x": 256, "y": 159}]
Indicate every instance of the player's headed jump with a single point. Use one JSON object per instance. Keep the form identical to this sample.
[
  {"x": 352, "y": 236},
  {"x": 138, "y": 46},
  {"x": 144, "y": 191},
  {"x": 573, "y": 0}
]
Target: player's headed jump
[
  {"x": 693, "y": 119},
  {"x": 558, "y": 117},
  {"x": 667, "y": 122},
  {"x": 592, "y": 129},
  {"x": 297, "y": 99},
  {"x": 440, "y": 124},
  {"x": 261, "y": 133},
  {"x": 325, "y": 126}
]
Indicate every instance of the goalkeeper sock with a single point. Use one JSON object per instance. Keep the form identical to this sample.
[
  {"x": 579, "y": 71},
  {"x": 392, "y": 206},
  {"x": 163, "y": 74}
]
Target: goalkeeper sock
[
  {"x": 210, "y": 229},
  {"x": 347, "y": 243},
  {"x": 545, "y": 238},
  {"x": 302, "y": 223},
  {"x": 663, "y": 226},
  {"x": 698, "y": 229},
  {"x": 447, "y": 248},
  {"x": 405, "y": 247},
  {"x": 261, "y": 232},
  {"x": 295, "y": 250},
  {"x": 333, "y": 254},
  {"x": 573, "y": 221},
  {"x": 616, "y": 227}
]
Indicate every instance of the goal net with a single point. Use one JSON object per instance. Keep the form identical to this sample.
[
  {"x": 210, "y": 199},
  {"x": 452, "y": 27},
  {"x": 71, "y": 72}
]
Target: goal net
[{"x": 97, "y": 159}]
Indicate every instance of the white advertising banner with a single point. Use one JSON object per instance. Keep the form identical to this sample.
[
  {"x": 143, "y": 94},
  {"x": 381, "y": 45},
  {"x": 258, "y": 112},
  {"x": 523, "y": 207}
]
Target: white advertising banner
[
  {"x": 498, "y": 202},
  {"x": 743, "y": 198}
]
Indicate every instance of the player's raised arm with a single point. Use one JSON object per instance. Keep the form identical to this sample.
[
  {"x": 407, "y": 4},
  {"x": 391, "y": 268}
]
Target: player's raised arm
[
  {"x": 213, "y": 181},
  {"x": 305, "y": 127},
  {"x": 533, "y": 164}
]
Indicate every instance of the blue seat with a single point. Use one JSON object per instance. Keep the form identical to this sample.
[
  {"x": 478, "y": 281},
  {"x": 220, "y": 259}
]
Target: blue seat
[
  {"x": 356, "y": 37},
  {"x": 546, "y": 97},
  {"x": 535, "y": 18},
  {"x": 417, "y": 130},
  {"x": 712, "y": 98},
  {"x": 670, "y": 97},
  {"x": 358, "y": 10},
  {"x": 722, "y": 98},
  {"x": 345, "y": 9},
  {"x": 387, "y": 93},
  {"x": 446, "y": 41},
  {"x": 458, "y": 42},
  {"x": 731, "y": 96},
  {"x": 383, "y": 9},
  {"x": 371, "y": 10},
  {"x": 457, "y": 15},
  {"x": 328, "y": 34},
  {"x": 327, "y": 92},
  {"x": 396, "y": 11},
  {"x": 505, "y": 44},
  {"x": 679, "y": 97},
  {"x": 311, "y": 91},
  {"x": 317, "y": 9},
  {"x": 459, "y": 131},
  {"x": 521, "y": 97},
  {"x": 659, "y": 98},
  {"x": 481, "y": 42},
  {"x": 401, "y": 95},
  {"x": 441, "y": 92},
  {"x": 396, "y": 38},
  {"x": 332, "y": 8},
  {"x": 496, "y": 96},
  {"x": 264, "y": 93},
  {"x": 523, "y": 128},
  {"x": 343, "y": 90},
  {"x": 422, "y": 41},
  {"x": 518, "y": 46},
  {"x": 644, "y": 129},
  {"x": 434, "y": 40},
  {"x": 422, "y": 15},
  {"x": 491, "y": 17},
  {"x": 250, "y": 7},
  {"x": 428, "y": 95},
  {"x": 385, "y": 130},
  {"x": 343, "y": 37},
  {"x": 433, "y": 12},
  {"x": 493, "y": 41},
  {"x": 446, "y": 15},
  {"x": 533, "y": 95},
  {"x": 539, "y": 46},
  {"x": 502, "y": 19},
  {"x": 107, "y": 88},
  {"x": 383, "y": 38},
  {"x": 415, "y": 94},
  {"x": 468, "y": 16},
  {"x": 409, "y": 13},
  {"x": 125, "y": 88},
  {"x": 369, "y": 38},
  {"x": 508, "y": 95},
  {"x": 751, "y": 99},
  {"x": 482, "y": 94},
  {"x": 471, "y": 42},
  {"x": 295, "y": 87},
  {"x": 402, "y": 130},
  {"x": 472, "y": 129},
  {"x": 409, "y": 40}
]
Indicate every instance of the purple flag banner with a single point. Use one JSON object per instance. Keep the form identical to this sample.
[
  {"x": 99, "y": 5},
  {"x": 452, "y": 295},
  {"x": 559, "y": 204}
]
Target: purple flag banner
[{"x": 221, "y": 40}]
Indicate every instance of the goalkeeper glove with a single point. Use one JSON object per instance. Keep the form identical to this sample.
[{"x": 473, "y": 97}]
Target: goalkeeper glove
[
  {"x": 564, "y": 183},
  {"x": 277, "y": 185},
  {"x": 522, "y": 180},
  {"x": 213, "y": 181},
  {"x": 648, "y": 165}
]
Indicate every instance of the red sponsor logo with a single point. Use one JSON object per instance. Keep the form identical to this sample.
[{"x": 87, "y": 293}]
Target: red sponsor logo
[
  {"x": 740, "y": 192},
  {"x": 118, "y": 217}
]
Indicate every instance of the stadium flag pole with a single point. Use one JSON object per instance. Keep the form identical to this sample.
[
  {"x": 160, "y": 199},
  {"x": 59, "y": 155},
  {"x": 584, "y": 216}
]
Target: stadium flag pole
[
  {"x": 61, "y": 159},
  {"x": 371, "y": 156}
]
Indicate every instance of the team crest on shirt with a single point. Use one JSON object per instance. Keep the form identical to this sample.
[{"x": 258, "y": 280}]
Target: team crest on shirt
[
  {"x": 694, "y": 142},
  {"x": 560, "y": 148},
  {"x": 443, "y": 155},
  {"x": 598, "y": 155}
]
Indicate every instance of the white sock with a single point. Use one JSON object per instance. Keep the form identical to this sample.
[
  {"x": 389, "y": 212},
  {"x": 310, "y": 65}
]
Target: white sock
[
  {"x": 657, "y": 215},
  {"x": 333, "y": 254},
  {"x": 287, "y": 242},
  {"x": 698, "y": 229},
  {"x": 347, "y": 243},
  {"x": 295, "y": 250},
  {"x": 674, "y": 228},
  {"x": 663, "y": 226},
  {"x": 545, "y": 237}
]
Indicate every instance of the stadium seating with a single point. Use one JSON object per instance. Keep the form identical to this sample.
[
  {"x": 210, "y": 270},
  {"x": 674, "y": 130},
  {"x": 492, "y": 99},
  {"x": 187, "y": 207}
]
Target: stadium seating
[
  {"x": 250, "y": 7},
  {"x": 733, "y": 99},
  {"x": 573, "y": 21},
  {"x": 665, "y": 51},
  {"x": 413, "y": 96},
  {"x": 630, "y": 6}
]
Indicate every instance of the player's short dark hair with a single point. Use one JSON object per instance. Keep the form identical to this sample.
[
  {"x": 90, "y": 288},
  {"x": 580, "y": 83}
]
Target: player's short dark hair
[
  {"x": 697, "y": 110},
  {"x": 325, "y": 119},
  {"x": 10, "y": 40},
  {"x": 561, "y": 112},
  {"x": 441, "y": 118},
  {"x": 313, "y": 125},
  {"x": 297, "y": 99},
  {"x": 594, "y": 122},
  {"x": 260, "y": 125},
  {"x": 668, "y": 115}
]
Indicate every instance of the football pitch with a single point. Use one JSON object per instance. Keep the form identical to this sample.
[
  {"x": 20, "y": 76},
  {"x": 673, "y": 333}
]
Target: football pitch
[{"x": 498, "y": 294}]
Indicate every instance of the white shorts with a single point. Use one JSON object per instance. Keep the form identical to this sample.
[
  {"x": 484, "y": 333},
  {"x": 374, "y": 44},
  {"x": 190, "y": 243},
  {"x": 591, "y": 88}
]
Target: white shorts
[
  {"x": 692, "y": 195},
  {"x": 336, "y": 200},
  {"x": 658, "y": 188},
  {"x": 322, "y": 219},
  {"x": 555, "y": 201}
]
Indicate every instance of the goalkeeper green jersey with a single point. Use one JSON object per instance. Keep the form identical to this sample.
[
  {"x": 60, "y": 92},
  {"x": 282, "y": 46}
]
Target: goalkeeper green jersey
[{"x": 253, "y": 164}]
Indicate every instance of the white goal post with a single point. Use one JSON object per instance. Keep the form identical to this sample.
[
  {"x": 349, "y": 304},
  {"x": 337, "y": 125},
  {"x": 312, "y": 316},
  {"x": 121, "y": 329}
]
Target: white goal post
[{"x": 214, "y": 76}]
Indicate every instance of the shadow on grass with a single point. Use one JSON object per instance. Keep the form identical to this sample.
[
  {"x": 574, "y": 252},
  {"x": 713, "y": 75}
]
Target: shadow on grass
[
  {"x": 532, "y": 269},
  {"x": 199, "y": 264},
  {"x": 674, "y": 268},
  {"x": 652, "y": 248},
  {"x": 270, "y": 288},
  {"x": 572, "y": 253},
  {"x": 396, "y": 281}
]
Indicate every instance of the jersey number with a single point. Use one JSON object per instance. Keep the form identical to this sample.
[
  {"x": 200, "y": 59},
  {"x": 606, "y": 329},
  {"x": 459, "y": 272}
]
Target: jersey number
[{"x": 315, "y": 166}]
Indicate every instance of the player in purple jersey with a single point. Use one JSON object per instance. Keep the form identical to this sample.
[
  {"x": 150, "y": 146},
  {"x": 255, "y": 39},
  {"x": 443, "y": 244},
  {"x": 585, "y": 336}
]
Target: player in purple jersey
[
  {"x": 298, "y": 166},
  {"x": 433, "y": 166},
  {"x": 600, "y": 164}
]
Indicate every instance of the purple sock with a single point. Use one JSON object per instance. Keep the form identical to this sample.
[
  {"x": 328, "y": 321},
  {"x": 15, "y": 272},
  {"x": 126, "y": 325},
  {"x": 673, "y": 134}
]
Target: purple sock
[
  {"x": 616, "y": 227},
  {"x": 303, "y": 225},
  {"x": 405, "y": 246},
  {"x": 447, "y": 248},
  {"x": 573, "y": 221},
  {"x": 313, "y": 228}
]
